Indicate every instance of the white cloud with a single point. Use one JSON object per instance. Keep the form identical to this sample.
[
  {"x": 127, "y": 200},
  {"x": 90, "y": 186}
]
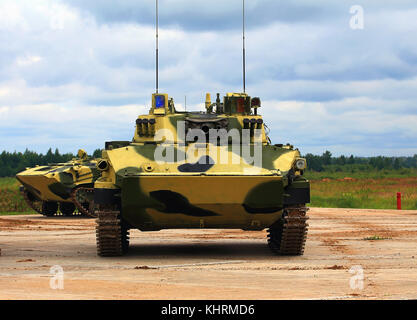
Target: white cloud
[
  {"x": 80, "y": 72},
  {"x": 67, "y": 128},
  {"x": 27, "y": 60},
  {"x": 11, "y": 17}
]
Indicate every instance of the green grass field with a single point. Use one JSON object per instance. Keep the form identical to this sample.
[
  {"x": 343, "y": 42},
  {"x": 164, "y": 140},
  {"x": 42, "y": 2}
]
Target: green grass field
[
  {"x": 364, "y": 193},
  {"x": 11, "y": 201},
  {"x": 362, "y": 174},
  {"x": 364, "y": 190}
]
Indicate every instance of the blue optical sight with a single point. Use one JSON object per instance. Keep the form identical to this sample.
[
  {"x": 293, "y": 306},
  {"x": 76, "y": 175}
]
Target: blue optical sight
[{"x": 159, "y": 102}]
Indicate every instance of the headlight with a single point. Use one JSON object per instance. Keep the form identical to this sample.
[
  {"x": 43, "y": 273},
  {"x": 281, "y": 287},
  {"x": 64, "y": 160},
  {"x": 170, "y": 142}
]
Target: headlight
[{"x": 300, "y": 164}]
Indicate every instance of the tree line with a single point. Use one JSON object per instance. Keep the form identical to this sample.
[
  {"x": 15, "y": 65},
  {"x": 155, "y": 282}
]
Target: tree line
[
  {"x": 326, "y": 162},
  {"x": 12, "y": 163}
]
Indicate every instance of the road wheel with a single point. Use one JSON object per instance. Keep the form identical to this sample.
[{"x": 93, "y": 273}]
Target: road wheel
[
  {"x": 67, "y": 208},
  {"x": 49, "y": 208}
]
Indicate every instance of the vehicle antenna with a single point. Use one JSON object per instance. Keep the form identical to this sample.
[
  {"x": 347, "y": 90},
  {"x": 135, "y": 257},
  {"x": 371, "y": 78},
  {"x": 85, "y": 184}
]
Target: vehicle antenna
[
  {"x": 157, "y": 48},
  {"x": 244, "y": 50}
]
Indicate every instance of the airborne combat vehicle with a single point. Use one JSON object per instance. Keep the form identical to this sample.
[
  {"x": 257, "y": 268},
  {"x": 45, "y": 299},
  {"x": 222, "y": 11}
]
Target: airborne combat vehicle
[
  {"x": 63, "y": 186},
  {"x": 216, "y": 169},
  {"x": 212, "y": 169}
]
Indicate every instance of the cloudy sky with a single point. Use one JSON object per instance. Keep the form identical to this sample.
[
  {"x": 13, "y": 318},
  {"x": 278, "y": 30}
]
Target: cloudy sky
[{"x": 75, "y": 73}]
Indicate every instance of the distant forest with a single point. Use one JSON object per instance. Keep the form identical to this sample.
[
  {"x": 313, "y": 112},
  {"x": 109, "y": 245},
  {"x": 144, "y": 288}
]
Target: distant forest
[
  {"x": 12, "y": 163},
  {"x": 326, "y": 162}
]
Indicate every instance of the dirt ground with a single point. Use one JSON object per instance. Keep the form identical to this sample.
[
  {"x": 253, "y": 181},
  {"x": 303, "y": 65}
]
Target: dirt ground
[{"x": 213, "y": 264}]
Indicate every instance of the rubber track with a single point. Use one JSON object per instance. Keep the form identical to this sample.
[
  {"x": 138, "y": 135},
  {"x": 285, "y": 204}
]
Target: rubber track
[
  {"x": 88, "y": 212},
  {"x": 112, "y": 236},
  {"x": 289, "y": 234}
]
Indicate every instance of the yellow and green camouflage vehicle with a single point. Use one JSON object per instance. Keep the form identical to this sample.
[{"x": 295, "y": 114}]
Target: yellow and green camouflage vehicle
[
  {"x": 61, "y": 187},
  {"x": 213, "y": 169}
]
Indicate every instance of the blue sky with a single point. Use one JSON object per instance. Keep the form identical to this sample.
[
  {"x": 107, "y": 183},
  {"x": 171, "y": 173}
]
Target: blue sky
[{"x": 76, "y": 73}]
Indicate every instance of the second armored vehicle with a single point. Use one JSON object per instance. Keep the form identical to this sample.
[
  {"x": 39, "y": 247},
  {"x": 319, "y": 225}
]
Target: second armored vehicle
[{"x": 60, "y": 187}]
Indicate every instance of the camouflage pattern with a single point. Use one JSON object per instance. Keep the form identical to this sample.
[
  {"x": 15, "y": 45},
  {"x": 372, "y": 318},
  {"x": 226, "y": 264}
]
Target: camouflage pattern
[
  {"x": 52, "y": 184},
  {"x": 153, "y": 195}
]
